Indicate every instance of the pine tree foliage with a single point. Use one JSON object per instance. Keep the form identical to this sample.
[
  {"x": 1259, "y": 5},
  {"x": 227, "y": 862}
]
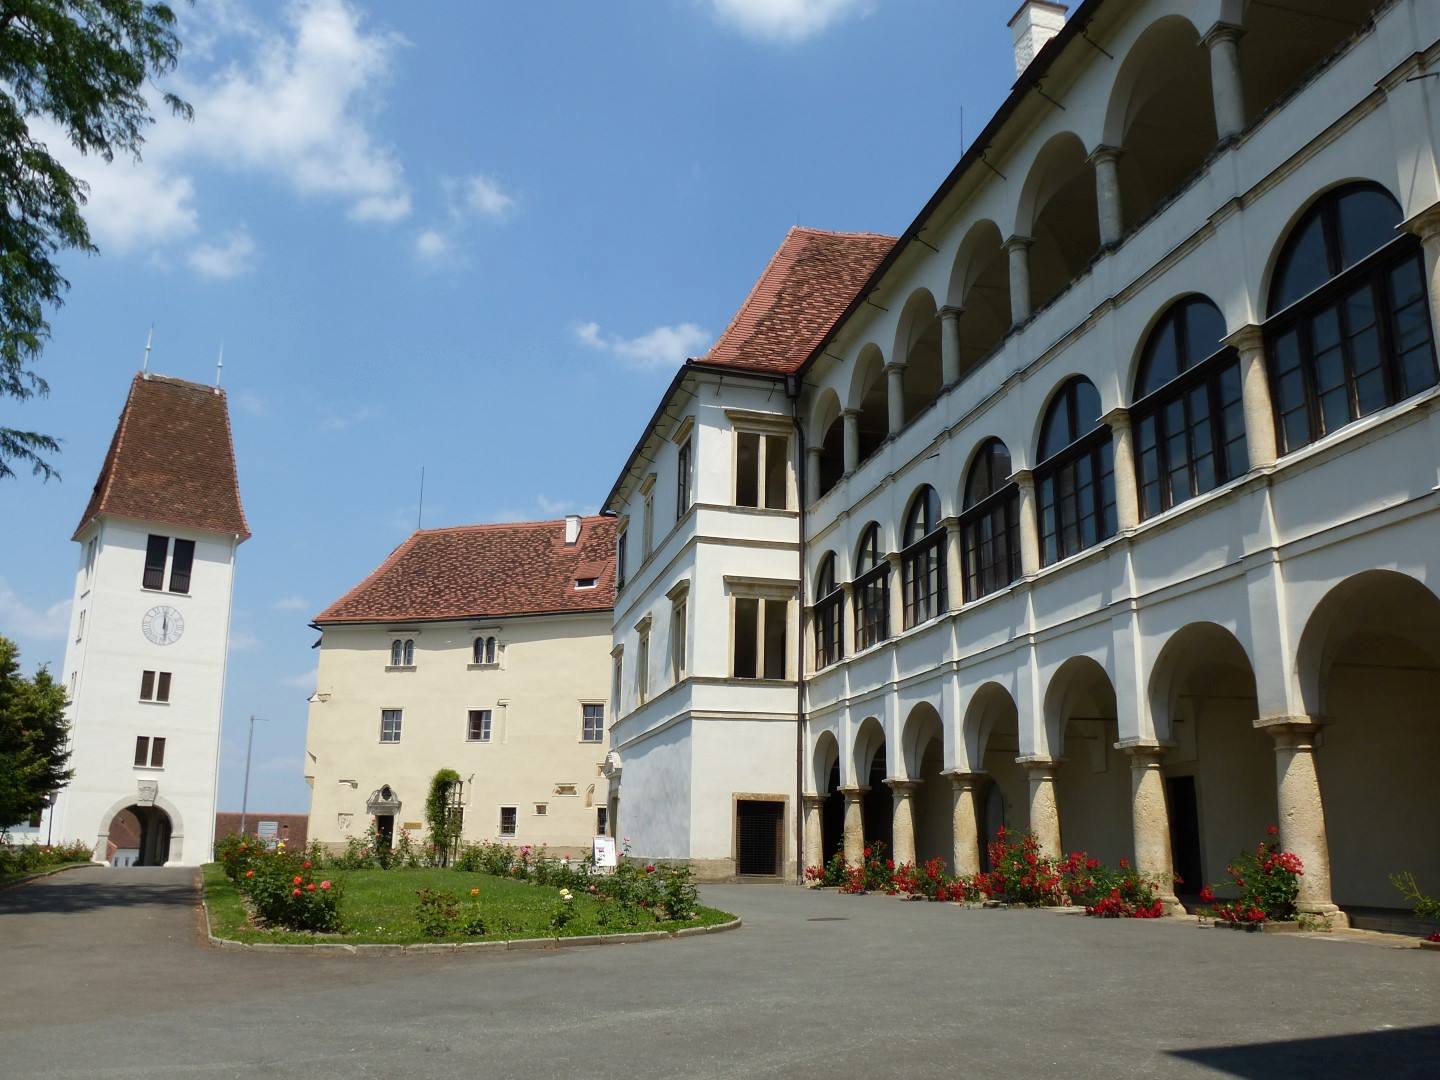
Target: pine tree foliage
[{"x": 33, "y": 739}]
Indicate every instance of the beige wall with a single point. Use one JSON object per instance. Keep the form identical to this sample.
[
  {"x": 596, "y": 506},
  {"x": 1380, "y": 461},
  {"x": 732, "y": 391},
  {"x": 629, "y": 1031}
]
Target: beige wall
[{"x": 549, "y": 666}]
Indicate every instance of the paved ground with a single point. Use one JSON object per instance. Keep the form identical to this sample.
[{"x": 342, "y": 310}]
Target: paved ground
[{"x": 104, "y": 973}]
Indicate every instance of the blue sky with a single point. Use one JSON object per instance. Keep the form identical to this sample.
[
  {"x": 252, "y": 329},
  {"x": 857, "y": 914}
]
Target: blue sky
[{"x": 474, "y": 237}]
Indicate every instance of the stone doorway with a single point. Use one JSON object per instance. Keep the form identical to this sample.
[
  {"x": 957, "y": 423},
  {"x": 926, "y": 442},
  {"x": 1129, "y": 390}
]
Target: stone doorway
[{"x": 138, "y": 836}]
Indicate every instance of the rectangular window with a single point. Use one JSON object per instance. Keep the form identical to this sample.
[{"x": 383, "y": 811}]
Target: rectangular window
[
  {"x": 648, "y": 536},
  {"x": 761, "y": 472},
  {"x": 642, "y": 668},
  {"x": 829, "y": 619},
  {"x": 677, "y": 642},
  {"x": 602, "y": 821},
  {"x": 541, "y": 809},
  {"x": 90, "y": 559},
  {"x": 682, "y": 481},
  {"x": 592, "y": 723},
  {"x": 508, "y": 814},
  {"x": 35, "y": 819},
  {"x": 390, "y": 720},
  {"x": 620, "y": 545},
  {"x": 156, "y": 548},
  {"x": 479, "y": 726},
  {"x": 149, "y": 753},
  {"x": 157, "y": 753},
  {"x": 760, "y": 637},
  {"x": 162, "y": 686},
  {"x": 180, "y": 563},
  {"x": 618, "y": 684},
  {"x": 747, "y": 636},
  {"x": 142, "y": 750},
  {"x": 155, "y": 686},
  {"x": 80, "y": 627}
]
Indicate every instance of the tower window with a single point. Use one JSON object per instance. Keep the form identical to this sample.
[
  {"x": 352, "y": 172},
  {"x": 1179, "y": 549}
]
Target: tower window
[
  {"x": 156, "y": 548},
  {"x": 149, "y": 753},
  {"x": 181, "y": 561},
  {"x": 155, "y": 686}
]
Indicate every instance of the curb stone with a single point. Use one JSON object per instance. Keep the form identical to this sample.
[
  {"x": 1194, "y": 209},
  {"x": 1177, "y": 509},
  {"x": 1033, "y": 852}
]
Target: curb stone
[
  {"x": 533, "y": 943},
  {"x": 45, "y": 873}
]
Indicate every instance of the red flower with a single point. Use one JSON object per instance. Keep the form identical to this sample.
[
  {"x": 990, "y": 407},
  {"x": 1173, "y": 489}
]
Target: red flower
[
  {"x": 324, "y": 884},
  {"x": 1273, "y": 830},
  {"x": 1124, "y": 864},
  {"x": 867, "y": 853},
  {"x": 310, "y": 887},
  {"x": 294, "y": 892},
  {"x": 306, "y": 864},
  {"x": 297, "y": 880},
  {"x": 650, "y": 868},
  {"x": 1207, "y": 895},
  {"x": 249, "y": 873}
]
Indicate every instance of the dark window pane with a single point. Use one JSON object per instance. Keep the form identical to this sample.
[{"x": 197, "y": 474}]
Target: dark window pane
[
  {"x": 147, "y": 686},
  {"x": 162, "y": 687},
  {"x": 1367, "y": 222},
  {"x": 776, "y": 451},
  {"x": 1162, "y": 362},
  {"x": 747, "y": 630},
  {"x": 180, "y": 564},
  {"x": 747, "y": 470},
  {"x": 1304, "y": 265},
  {"x": 155, "y": 550},
  {"x": 776, "y": 617},
  {"x": 157, "y": 752},
  {"x": 1204, "y": 327},
  {"x": 142, "y": 750}
]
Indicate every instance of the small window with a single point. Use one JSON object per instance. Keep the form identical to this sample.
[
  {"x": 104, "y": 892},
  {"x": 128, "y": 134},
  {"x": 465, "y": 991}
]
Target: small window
[
  {"x": 761, "y": 470},
  {"x": 155, "y": 686},
  {"x": 642, "y": 668},
  {"x": 492, "y": 651},
  {"x": 409, "y": 659},
  {"x": 390, "y": 721},
  {"x": 759, "y": 638},
  {"x": 620, "y": 545},
  {"x": 508, "y": 814},
  {"x": 541, "y": 809},
  {"x": 90, "y": 558},
  {"x": 35, "y": 819},
  {"x": 585, "y": 583},
  {"x": 602, "y": 821},
  {"x": 682, "y": 480},
  {"x": 162, "y": 686},
  {"x": 678, "y": 631},
  {"x": 648, "y": 535},
  {"x": 617, "y": 683},
  {"x": 156, "y": 548},
  {"x": 80, "y": 627},
  {"x": 592, "y": 723},
  {"x": 149, "y": 753},
  {"x": 181, "y": 562},
  {"x": 485, "y": 650},
  {"x": 479, "y": 725}
]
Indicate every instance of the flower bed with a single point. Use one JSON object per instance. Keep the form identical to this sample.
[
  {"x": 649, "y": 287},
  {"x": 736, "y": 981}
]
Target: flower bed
[
  {"x": 21, "y": 860},
  {"x": 1265, "y": 882}
]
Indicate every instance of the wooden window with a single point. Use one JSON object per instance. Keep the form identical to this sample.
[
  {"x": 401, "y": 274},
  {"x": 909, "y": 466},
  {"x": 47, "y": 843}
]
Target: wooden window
[
  {"x": 478, "y": 729},
  {"x": 390, "y": 724},
  {"x": 592, "y": 723},
  {"x": 1075, "y": 480},
  {"x": 508, "y": 815},
  {"x": 149, "y": 752},
  {"x": 922, "y": 560},
  {"x": 1189, "y": 419},
  {"x": 872, "y": 591},
  {"x": 182, "y": 560},
  {"x": 761, "y": 470},
  {"x": 682, "y": 480},
  {"x": 156, "y": 548},
  {"x": 1350, "y": 328},
  {"x": 760, "y": 634},
  {"x": 155, "y": 686},
  {"x": 828, "y": 615},
  {"x": 990, "y": 523}
]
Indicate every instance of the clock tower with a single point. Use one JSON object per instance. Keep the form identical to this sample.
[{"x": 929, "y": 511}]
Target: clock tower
[{"x": 149, "y": 630}]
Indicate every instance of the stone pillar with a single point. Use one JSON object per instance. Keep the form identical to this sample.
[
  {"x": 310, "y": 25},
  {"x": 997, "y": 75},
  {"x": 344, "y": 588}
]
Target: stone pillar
[
  {"x": 1302, "y": 815},
  {"x": 895, "y": 396},
  {"x": 896, "y": 613},
  {"x": 1260, "y": 439},
  {"x": 1426, "y": 225},
  {"x": 1127, "y": 491},
  {"x": 1029, "y": 523},
  {"x": 1106, "y": 159},
  {"x": 1018, "y": 248},
  {"x": 852, "y": 440},
  {"x": 1223, "y": 41},
  {"x": 1150, "y": 818},
  {"x": 950, "y": 344},
  {"x": 954, "y": 565},
  {"x": 965, "y": 823},
  {"x": 1044, "y": 810},
  {"x": 903, "y": 831},
  {"x": 815, "y": 853},
  {"x": 854, "y": 824},
  {"x": 812, "y": 475}
]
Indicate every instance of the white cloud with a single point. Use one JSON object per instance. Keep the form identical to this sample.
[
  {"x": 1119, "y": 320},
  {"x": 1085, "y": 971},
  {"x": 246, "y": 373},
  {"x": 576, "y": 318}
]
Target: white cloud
[
  {"x": 786, "y": 20},
  {"x": 467, "y": 200},
  {"x": 19, "y": 619},
  {"x": 543, "y": 509},
  {"x": 663, "y": 347},
  {"x": 295, "y": 108},
  {"x": 330, "y": 420},
  {"x": 484, "y": 197},
  {"x": 248, "y": 401},
  {"x": 303, "y": 681},
  {"x": 432, "y": 245},
  {"x": 291, "y": 603},
  {"x": 230, "y": 259}
]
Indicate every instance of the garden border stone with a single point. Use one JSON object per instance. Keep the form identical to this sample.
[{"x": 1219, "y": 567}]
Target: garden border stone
[
  {"x": 25, "y": 879},
  {"x": 517, "y": 945}
]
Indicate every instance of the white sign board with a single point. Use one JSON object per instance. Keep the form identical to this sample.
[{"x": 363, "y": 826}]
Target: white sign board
[{"x": 604, "y": 852}]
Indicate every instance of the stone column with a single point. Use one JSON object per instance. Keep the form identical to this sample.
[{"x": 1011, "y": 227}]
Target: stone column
[
  {"x": 1426, "y": 225},
  {"x": 815, "y": 853},
  {"x": 1044, "y": 810},
  {"x": 950, "y": 344},
  {"x": 896, "y": 613},
  {"x": 812, "y": 475},
  {"x": 1260, "y": 440},
  {"x": 954, "y": 566},
  {"x": 1127, "y": 492},
  {"x": 895, "y": 396},
  {"x": 965, "y": 823},
  {"x": 854, "y": 824},
  {"x": 852, "y": 440},
  {"x": 1223, "y": 41},
  {"x": 1018, "y": 248},
  {"x": 1302, "y": 815},
  {"x": 1106, "y": 159},
  {"x": 1029, "y": 522},
  {"x": 903, "y": 831},
  {"x": 1150, "y": 818}
]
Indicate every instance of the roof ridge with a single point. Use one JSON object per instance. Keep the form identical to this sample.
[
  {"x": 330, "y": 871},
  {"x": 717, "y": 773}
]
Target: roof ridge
[
  {"x": 857, "y": 234},
  {"x": 478, "y": 525}
]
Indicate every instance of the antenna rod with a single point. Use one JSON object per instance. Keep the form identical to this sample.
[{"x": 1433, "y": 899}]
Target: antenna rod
[
  {"x": 220, "y": 365},
  {"x": 149, "y": 340},
  {"x": 420, "y": 513}
]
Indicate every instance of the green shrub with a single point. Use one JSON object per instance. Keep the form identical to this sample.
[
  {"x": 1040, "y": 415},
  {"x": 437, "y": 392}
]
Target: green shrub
[
  {"x": 30, "y": 858},
  {"x": 283, "y": 892}
]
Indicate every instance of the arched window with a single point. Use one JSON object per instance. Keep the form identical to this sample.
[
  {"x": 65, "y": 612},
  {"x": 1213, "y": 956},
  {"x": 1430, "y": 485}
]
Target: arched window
[
  {"x": 490, "y": 650},
  {"x": 990, "y": 523},
  {"x": 397, "y": 653},
  {"x": 477, "y": 651},
  {"x": 872, "y": 591},
  {"x": 1075, "y": 480},
  {"x": 829, "y": 615},
  {"x": 409, "y": 653},
  {"x": 1188, "y": 417},
  {"x": 922, "y": 560},
  {"x": 1349, "y": 331}
]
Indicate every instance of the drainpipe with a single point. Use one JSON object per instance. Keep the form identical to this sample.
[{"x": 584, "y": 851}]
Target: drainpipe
[{"x": 792, "y": 391}]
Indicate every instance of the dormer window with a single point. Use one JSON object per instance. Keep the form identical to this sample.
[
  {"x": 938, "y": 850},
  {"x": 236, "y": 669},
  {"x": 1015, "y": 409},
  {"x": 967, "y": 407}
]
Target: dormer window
[{"x": 585, "y": 583}]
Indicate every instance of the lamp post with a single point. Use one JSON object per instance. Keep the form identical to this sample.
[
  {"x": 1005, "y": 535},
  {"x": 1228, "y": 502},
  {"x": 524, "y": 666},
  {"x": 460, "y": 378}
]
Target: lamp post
[{"x": 245, "y": 793}]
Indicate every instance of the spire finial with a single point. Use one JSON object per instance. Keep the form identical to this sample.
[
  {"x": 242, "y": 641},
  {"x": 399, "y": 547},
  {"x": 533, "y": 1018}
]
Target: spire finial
[
  {"x": 149, "y": 340},
  {"x": 220, "y": 365}
]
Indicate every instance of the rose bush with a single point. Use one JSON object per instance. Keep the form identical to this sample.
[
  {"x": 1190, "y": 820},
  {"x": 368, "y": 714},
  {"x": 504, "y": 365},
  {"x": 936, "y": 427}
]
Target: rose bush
[
  {"x": 1267, "y": 881},
  {"x": 283, "y": 889}
]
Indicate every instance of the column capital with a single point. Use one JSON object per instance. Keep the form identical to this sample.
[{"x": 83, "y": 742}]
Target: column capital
[
  {"x": 951, "y": 311},
  {"x": 1221, "y": 31},
  {"x": 1104, "y": 152},
  {"x": 816, "y": 450},
  {"x": 1017, "y": 241},
  {"x": 1250, "y": 338},
  {"x": 962, "y": 778},
  {"x": 902, "y": 786},
  {"x": 1117, "y": 417},
  {"x": 855, "y": 791},
  {"x": 1039, "y": 763},
  {"x": 894, "y": 365},
  {"x": 1024, "y": 478},
  {"x": 893, "y": 558},
  {"x": 1426, "y": 224},
  {"x": 814, "y": 798},
  {"x": 850, "y": 412},
  {"x": 1144, "y": 752}
]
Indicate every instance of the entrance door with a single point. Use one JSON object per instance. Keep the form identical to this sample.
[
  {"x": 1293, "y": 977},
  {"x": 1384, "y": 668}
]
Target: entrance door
[
  {"x": 758, "y": 836},
  {"x": 384, "y": 831},
  {"x": 1185, "y": 834}
]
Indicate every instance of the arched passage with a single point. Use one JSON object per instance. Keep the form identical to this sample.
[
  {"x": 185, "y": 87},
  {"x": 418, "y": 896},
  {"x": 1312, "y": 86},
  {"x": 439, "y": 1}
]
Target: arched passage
[
  {"x": 870, "y": 766},
  {"x": 1092, "y": 781},
  {"x": 827, "y": 431},
  {"x": 1058, "y": 212},
  {"x": 1220, "y": 769},
  {"x": 980, "y": 287},
  {"x": 826, "y": 778},
  {"x": 924, "y": 742},
  {"x": 1283, "y": 43},
  {"x": 867, "y": 397},
  {"x": 992, "y": 737},
  {"x": 138, "y": 836},
  {"x": 1369, "y": 667},
  {"x": 918, "y": 344}
]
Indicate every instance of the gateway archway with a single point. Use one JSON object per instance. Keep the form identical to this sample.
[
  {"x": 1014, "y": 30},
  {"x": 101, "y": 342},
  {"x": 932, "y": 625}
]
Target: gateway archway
[{"x": 138, "y": 836}]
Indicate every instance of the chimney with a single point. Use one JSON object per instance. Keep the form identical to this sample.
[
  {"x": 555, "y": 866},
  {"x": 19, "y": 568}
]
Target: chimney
[
  {"x": 572, "y": 529},
  {"x": 1034, "y": 24}
]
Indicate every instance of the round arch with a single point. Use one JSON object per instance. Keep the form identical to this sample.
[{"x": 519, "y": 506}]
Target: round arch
[
  {"x": 980, "y": 287},
  {"x": 177, "y": 825},
  {"x": 917, "y": 345},
  {"x": 823, "y": 759},
  {"x": 868, "y": 400}
]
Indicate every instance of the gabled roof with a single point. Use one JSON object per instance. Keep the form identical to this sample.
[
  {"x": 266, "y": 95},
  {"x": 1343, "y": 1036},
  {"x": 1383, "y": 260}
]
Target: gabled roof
[
  {"x": 171, "y": 460},
  {"x": 486, "y": 571},
  {"x": 808, "y": 282}
]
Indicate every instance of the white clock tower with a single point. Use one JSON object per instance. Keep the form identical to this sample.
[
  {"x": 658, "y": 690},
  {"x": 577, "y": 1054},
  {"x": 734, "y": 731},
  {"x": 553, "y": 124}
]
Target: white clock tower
[{"x": 149, "y": 630}]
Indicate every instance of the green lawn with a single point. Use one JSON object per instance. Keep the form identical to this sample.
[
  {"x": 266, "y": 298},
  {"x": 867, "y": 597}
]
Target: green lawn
[{"x": 378, "y": 908}]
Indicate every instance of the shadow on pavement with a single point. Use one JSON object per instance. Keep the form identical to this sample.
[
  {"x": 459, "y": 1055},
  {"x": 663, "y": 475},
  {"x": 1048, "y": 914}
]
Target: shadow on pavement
[
  {"x": 85, "y": 893},
  {"x": 1398, "y": 1052}
]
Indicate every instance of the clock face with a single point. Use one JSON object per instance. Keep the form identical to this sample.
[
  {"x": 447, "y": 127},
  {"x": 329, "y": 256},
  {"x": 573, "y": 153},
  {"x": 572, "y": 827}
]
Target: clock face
[{"x": 163, "y": 625}]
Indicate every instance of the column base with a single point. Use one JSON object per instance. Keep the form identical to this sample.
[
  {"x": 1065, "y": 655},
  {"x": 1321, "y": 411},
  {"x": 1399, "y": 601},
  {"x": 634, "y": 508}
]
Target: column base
[{"x": 1328, "y": 913}]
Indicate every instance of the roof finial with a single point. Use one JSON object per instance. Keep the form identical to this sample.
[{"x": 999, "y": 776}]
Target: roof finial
[
  {"x": 220, "y": 365},
  {"x": 149, "y": 340},
  {"x": 420, "y": 511}
]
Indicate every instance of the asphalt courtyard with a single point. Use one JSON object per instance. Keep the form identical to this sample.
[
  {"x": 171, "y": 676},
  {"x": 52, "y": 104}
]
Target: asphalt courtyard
[{"x": 107, "y": 973}]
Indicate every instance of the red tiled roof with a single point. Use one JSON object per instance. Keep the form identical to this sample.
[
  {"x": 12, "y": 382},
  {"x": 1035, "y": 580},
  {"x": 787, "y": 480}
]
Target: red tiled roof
[
  {"x": 810, "y": 280},
  {"x": 171, "y": 460},
  {"x": 486, "y": 571}
]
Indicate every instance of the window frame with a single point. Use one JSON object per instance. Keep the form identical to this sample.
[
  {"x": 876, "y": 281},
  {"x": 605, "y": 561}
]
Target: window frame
[
  {"x": 683, "y": 466},
  {"x": 871, "y": 591},
  {"x": 486, "y": 717},
  {"x": 827, "y": 615},
  {"x": 764, "y": 433},
  {"x": 1001, "y": 504},
  {"x": 585, "y": 718},
  {"x": 153, "y": 567},
  {"x": 393, "y": 722},
  {"x": 514, "y": 829},
  {"x": 149, "y": 752},
  {"x": 1095, "y": 448},
  {"x": 181, "y": 580},
  {"x": 922, "y": 561}
]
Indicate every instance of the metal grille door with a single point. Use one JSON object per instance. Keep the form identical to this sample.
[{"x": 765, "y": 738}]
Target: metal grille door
[{"x": 758, "y": 828}]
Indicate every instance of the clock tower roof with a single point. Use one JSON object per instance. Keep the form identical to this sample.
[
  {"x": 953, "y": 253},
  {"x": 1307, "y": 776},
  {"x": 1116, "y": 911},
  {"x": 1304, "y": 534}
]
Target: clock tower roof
[{"x": 171, "y": 460}]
